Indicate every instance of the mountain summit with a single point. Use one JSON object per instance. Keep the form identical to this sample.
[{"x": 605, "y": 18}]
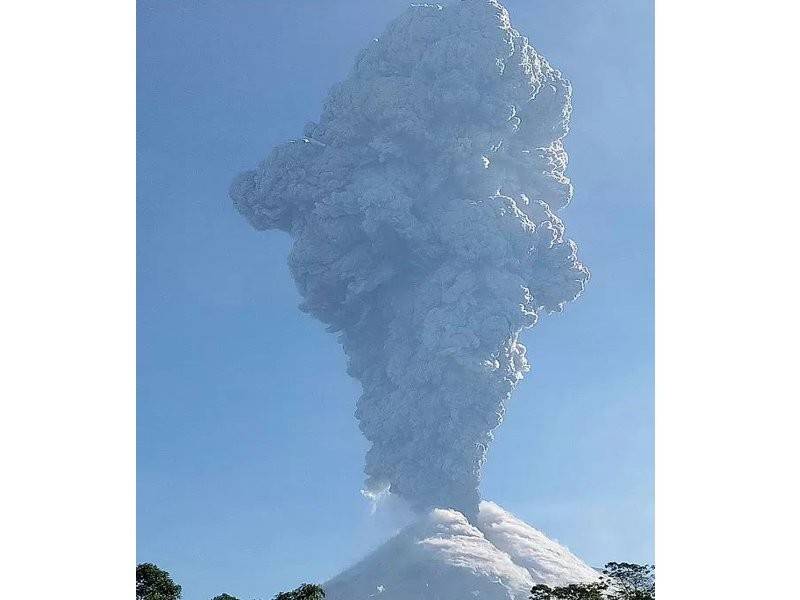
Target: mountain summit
[{"x": 445, "y": 557}]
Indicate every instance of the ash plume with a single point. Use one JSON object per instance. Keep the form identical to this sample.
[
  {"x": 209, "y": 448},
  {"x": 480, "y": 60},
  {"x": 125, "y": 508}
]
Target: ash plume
[{"x": 422, "y": 207}]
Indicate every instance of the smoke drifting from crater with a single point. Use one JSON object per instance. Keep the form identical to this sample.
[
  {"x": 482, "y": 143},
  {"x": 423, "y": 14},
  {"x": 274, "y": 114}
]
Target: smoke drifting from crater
[{"x": 422, "y": 208}]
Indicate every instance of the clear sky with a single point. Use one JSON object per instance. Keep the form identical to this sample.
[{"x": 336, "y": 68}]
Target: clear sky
[{"x": 249, "y": 457}]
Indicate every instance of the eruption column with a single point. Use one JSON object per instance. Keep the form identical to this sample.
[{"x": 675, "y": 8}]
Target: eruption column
[{"x": 422, "y": 209}]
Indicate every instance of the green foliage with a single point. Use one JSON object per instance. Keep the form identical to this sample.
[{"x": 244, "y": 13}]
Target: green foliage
[
  {"x": 154, "y": 584},
  {"x": 632, "y": 581},
  {"x": 224, "y": 597},
  {"x": 584, "y": 591},
  {"x": 307, "y": 591},
  {"x": 620, "y": 581}
]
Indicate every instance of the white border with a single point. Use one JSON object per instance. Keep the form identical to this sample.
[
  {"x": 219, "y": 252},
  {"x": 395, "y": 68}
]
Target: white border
[
  {"x": 67, "y": 430},
  {"x": 726, "y": 418}
]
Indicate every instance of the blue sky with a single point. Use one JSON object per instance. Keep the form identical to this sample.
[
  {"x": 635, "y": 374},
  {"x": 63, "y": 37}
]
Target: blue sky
[{"x": 249, "y": 458}]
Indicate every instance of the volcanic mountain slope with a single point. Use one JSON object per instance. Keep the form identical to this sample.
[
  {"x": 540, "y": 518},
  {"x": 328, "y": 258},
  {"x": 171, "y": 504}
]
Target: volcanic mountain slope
[{"x": 445, "y": 557}]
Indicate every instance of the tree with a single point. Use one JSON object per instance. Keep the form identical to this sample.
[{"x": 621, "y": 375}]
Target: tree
[
  {"x": 620, "y": 581},
  {"x": 307, "y": 591},
  {"x": 575, "y": 591},
  {"x": 224, "y": 597},
  {"x": 632, "y": 581},
  {"x": 154, "y": 584}
]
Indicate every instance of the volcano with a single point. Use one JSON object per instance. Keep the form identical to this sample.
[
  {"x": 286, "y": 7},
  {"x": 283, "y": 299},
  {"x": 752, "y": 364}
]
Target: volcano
[{"x": 443, "y": 556}]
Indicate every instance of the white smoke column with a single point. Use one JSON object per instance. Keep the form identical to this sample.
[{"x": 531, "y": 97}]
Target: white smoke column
[{"x": 422, "y": 208}]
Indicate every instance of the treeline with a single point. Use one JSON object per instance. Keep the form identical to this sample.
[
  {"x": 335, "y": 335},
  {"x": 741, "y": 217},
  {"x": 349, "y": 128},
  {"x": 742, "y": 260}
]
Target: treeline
[
  {"x": 619, "y": 581},
  {"x": 153, "y": 583}
]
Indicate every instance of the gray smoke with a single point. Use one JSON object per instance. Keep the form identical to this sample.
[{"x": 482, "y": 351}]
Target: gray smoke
[{"x": 422, "y": 208}]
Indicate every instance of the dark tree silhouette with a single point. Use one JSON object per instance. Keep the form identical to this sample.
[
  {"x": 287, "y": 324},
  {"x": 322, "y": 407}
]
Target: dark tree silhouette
[
  {"x": 154, "y": 584},
  {"x": 307, "y": 591},
  {"x": 224, "y": 597},
  {"x": 620, "y": 581},
  {"x": 582, "y": 591},
  {"x": 632, "y": 581}
]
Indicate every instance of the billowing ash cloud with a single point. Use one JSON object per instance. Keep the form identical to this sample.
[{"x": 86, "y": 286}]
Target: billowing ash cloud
[{"x": 422, "y": 208}]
